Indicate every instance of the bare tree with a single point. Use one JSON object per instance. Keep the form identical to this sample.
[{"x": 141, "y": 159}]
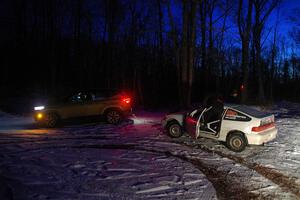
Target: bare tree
[
  {"x": 184, "y": 54},
  {"x": 210, "y": 54},
  {"x": 160, "y": 22},
  {"x": 191, "y": 50},
  {"x": 127, "y": 43},
  {"x": 219, "y": 54},
  {"x": 188, "y": 46},
  {"x": 174, "y": 36},
  {"x": 263, "y": 9},
  {"x": 295, "y": 20},
  {"x": 244, "y": 26},
  {"x": 203, "y": 27},
  {"x": 274, "y": 52}
]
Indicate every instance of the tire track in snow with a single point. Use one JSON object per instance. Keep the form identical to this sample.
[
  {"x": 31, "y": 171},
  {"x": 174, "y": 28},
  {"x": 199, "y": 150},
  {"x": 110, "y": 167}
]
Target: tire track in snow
[
  {"x": 286, "y": 183},
  {"x": 227, "y": 187},
  {"x": 45, "y": 140}
]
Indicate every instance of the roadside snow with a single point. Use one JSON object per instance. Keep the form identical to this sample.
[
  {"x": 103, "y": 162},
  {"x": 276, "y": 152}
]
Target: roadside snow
[
  {"x": 96, "y": 161},
  {"x": 137, "y": 160},
  {"x": 10, "y": 123}
]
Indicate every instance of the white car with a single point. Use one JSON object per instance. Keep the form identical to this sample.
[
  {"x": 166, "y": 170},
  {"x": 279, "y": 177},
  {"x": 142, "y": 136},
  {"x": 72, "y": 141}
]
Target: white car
[{"x": 238, "y": 126}]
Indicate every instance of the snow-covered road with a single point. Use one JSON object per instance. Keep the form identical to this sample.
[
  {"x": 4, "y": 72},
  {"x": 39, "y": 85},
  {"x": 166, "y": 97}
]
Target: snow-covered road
[{"x": 137, "y": 160}]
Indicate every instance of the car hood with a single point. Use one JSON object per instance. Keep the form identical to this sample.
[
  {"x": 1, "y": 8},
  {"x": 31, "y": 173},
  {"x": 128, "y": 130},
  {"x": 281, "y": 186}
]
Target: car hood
[{"x": 50, "y": 105}]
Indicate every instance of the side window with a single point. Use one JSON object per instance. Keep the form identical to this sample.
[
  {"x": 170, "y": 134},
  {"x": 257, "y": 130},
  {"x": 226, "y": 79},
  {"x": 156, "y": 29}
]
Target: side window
[
  {"x": 236, "y": 116},
  {"x": 76, "y": 98},
  {"x": 99, "y": 96},
  {"x": 80, "y": 97},
  {"x": 87, "y": 97}
]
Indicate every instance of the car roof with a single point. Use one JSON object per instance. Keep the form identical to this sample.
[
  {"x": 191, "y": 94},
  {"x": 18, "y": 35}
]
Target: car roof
[
  {"x": 97, "y": 91},
  {"x": 248, "y": 110}
]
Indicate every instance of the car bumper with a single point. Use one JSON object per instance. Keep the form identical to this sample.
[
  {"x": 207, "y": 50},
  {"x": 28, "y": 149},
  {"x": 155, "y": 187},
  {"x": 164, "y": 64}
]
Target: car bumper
[
  {"x": 128, "y": 112},
  {"x": 163, "y": 123},
  {"x": 261, "y": 138}
]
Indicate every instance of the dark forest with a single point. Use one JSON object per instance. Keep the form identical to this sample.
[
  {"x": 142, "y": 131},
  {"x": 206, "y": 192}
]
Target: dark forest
[{"x": 167, "y": 52}]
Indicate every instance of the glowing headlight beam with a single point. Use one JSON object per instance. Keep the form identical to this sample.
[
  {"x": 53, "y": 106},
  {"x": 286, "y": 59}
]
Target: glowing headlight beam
[
  {"x": 40, "y": 116},
  {"x": 39, "y": 108}
]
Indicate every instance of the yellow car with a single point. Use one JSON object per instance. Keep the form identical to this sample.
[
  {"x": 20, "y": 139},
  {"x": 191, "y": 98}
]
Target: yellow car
[{"x": 111, "y": 104}]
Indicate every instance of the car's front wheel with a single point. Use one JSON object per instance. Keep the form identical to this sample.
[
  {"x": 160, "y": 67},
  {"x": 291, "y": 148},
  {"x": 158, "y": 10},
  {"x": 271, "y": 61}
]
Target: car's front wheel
[
  {"x": 52, "y": 120},
  {"x": 236, "y": 142},
  {"x": 174, "y": 130}
]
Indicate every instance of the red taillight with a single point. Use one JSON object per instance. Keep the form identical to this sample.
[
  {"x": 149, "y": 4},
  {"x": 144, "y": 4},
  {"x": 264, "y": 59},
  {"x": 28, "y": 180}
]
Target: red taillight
[
  {"x": 126, "y": 100},
  {"x": 263, "y": 127}
]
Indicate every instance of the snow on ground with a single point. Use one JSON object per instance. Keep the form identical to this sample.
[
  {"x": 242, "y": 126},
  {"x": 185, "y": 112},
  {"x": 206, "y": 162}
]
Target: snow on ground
[
  {"x": 93, "y": 161},
  {"x": 9, "y": 122},
  {"x": 137, "y": 160}
]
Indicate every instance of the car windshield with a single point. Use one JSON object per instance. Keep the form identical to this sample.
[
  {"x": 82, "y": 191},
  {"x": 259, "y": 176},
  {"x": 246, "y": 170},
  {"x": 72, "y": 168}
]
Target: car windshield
[{"x": 251, "y": 111}]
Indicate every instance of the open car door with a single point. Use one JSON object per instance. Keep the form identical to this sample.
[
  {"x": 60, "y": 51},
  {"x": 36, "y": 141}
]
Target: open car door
[
  {"x": 205, "y": 128},
  {"x": 191, "y": 122}
]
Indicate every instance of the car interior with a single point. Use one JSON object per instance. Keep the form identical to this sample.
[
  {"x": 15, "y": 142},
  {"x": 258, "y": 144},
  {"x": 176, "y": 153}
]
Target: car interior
[{"x": 211, "y": 121}]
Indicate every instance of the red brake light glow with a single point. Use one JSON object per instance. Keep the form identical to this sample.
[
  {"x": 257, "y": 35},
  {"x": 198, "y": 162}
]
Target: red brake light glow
[
  {"x": 126, "y": 100},
  {"x": 263, "y": 127}
]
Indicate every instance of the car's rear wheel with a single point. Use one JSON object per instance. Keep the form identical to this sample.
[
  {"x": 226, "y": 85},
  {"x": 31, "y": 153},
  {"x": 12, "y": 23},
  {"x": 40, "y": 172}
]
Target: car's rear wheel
[
  {"x": 236, "y": 142},
  {"x": 52, "y": 120},
  {"x": 174, "y": 130},
  {"x": 113, "y": 116}
]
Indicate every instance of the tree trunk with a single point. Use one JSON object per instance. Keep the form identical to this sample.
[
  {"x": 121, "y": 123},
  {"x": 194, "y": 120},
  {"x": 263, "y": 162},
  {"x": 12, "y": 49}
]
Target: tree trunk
[
  {"x": 191, "y": 51},
  {"x": 258, "y": 65},
  {"x": 160, "y": 21},
  {"x": 176, "y": 53},
  {"x": 203, "y": 15},
  {"x": 261, "y": 14},
  {"x": 184, "y": 54},
  {"x": 244, "y": 31}
]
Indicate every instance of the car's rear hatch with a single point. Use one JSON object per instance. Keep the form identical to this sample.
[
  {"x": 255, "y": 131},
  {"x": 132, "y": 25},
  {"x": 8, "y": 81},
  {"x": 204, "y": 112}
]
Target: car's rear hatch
[{"x": 266, "y": 121}]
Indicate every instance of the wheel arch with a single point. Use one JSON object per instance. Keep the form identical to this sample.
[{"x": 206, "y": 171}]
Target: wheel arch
[
  {"x": 170, "y": 121},
  {"x": 105, "y": 110},
  {"x": 55, "y": 112}
]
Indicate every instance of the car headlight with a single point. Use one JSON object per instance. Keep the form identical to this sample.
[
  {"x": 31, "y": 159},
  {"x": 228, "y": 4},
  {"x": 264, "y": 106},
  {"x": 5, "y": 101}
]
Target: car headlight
[{"x": 39, "y": 108}]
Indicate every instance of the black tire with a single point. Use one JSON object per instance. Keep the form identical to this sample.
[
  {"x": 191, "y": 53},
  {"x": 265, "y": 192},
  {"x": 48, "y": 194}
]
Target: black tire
[
  {"x": 174, "y": 130},
  {"x": 113, "y": 116},
  {"x": 236, "y": 142},
  {"x": 52, "y": 120}
]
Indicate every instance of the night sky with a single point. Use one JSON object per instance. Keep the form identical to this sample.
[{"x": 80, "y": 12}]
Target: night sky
[{"x": 287, "y": 8}]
